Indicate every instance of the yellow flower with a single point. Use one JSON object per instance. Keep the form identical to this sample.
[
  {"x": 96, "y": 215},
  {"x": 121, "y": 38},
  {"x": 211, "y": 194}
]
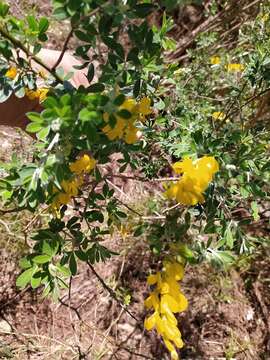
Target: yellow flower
[
  {"x": 195, "y": 179},
  {"x": 43, "y": 94},
  {"x": 174, "y": 270},
  {"x": 215, "y": 60},
  {"x": 178, "y": 72},
  {"x": 152, "y": 301},
  {"x": 235, "y": 67},
  {"x": 31, "y": 94},
  {"x": 70, "y": 187},
  {"x": 183, "y": 166},
  {"x": 125, "y": 128},
  {"x": 130, "y": 135},
  {"x": 11, "y": 73},
  {"x": 171, "y": 348},
  {"x": 40, "y": 94},
  {"x": 130, "y": 105},
  {"x": 218, "y": 115},
  {"x": 83, "y": 165},
  {"x": 166, "y": 299},
  {"x": 114, "y": 132},
  {"x": 209, "y": 163},
  {"x": 59, "y": 200},
  {"x": 264, "y": 17},
  {"x": 144, "y": 106}
]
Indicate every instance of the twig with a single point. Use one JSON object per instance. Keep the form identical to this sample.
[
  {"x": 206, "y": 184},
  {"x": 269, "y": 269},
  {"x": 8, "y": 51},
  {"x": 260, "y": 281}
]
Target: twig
[
  {"x": 19, "y": 45},
  {"x": 10, "y": 301},
  {"x": 139, "y": 178},
  {"x": 129, "y": 208},
  {"x": 10, "y": 211},
  {"x": 65, "y": 47},
  {"x": 110, "y": 291}
]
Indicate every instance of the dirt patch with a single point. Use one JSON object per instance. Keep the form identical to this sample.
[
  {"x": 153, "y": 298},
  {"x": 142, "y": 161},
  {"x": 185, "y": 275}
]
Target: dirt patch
[{"x": 227, "y": 317}]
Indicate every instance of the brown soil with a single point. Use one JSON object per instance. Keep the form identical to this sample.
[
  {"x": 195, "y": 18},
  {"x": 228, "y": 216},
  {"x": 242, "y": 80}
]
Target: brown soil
[{"x": 228, "y": 314}]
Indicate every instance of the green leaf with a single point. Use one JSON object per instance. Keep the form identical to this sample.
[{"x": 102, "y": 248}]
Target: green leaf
[
  {"x": 124, "y": 114},
  {"x": 83, "y": 36},
  {"x": 95, "y": 88},
  {"x": 43, "y": 133},
  {"x": 50, "y": 248},
  {"x": 137, "y": 88},
  {"x": 43, "y": 25},
  {"x": 36, "y": 280},
  {"x": 32, "y": 22},
  {"x": 60, "y": 13},
  {"x": 34, "y": 116},
  {"x": 73, "y": 264},
  {"x": 133, "y": 56},
  {"x": 24, "y": 278},
  {"x": 42, "y": 259},
  {"x": 4, "y": 9},
  {"x": 90, "y": 73},
  {"x": 142, "y": 10},
  {"x": 94, "y": 215},
  {"x": 63, "y": 270},
  {"x": 105, "y": 24},
  {"x": 34, "y": 127},
  {"x": 139, "y": 230},
  {"x": 229, "y": 239},
  {"x": 25, "y": 263},
  {"x": 119, "y": 100},
  {"x": 86, "y": 115}
]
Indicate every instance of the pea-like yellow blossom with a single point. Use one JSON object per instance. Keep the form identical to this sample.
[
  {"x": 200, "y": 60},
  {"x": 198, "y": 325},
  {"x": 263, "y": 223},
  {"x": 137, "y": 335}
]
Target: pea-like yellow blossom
[
  {"x": 165, "y": 300},
  {"x": 196, "y": 176},
  {"x": 11, "y": 73},
  {"x": 264, "y": 17},
  {"x": 70, "y": 187},
  {"x": 83, "y": 165},
  {"x": 235, "y": 67},
  {"x": 40, "y": 94},
  {"x": 215, "y": 60},
  {"x": 218, "y": 115},
  {"x": 126, "y": 128}
]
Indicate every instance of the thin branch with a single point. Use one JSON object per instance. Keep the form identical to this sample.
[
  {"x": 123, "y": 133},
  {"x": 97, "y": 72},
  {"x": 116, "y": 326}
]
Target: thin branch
[
  {"x": 10, "y": 211},
  {"x": 111, "y": 292},
  {"x": 19, "y": 45},
  {"x": 139, "y": 178},
  {"x": 65, "y": 47}
]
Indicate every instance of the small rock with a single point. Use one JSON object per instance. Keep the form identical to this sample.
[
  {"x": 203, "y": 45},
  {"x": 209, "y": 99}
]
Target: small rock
[{"x": 5, "y": 327}]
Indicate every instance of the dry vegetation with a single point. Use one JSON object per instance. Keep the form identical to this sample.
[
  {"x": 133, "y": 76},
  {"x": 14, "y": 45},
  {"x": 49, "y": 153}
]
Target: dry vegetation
[{"x": 228, "y": 315}]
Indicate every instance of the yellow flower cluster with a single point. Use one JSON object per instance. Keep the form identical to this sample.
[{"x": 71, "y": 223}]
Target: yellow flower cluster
[
  {"x": 83, "y": 165},
  {"x": 218, "y": 115},
  {"x": 125, "y": 128},
  {"x": 196, "y": 176},
  {"x": 166, "y": 300},
  {"x": 40, "y": 94},
  {"x": 71, "y": 187},
  {"x": 11, "y": 73},
  {"x": 235, "y": 67},
  {"x": 215, "y": 60},
  {"x": 264, "y": 17}
]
